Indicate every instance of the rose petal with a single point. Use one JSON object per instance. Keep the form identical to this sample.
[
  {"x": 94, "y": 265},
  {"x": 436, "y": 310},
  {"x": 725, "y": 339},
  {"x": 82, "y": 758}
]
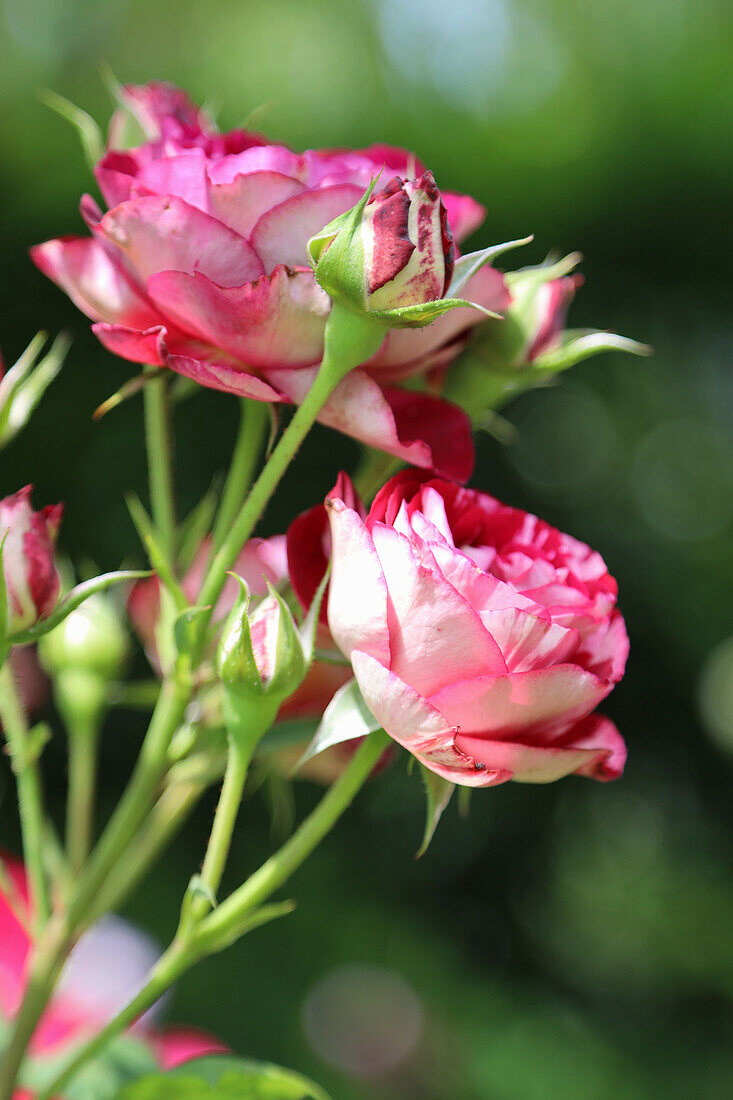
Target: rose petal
[
  {"x": 96, "y": 284},
  {"x": 242, "y": 202},
  {"x": 179, "y": 1045},
  {"x": 416, "y": 427},
  {"x": 221, "y": 376},
  {"x": 276, "y": 321},
  {"x": 593, "y": 748},
  {"x": 281, "y": 235},
  {"x": 357, "y": 599},
  {"x": 163, "y": 233},
  {"x": 435, "y": 635},
  {"x": 131, "y": 344},
  {"x": 414, "y": 724},
  {"x": 540, "y": 703}
]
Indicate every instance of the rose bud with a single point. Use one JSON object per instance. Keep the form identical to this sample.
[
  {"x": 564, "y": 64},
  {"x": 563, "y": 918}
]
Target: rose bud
[
  {"x": 261, "y": 660},
  {"x": 481, "y": 638},
  {"x": 399, "y": 253},
  {"x": 83, "y": 654},
  {"x": 31, "y": 580},
  {"x": 531, "y": 343}
]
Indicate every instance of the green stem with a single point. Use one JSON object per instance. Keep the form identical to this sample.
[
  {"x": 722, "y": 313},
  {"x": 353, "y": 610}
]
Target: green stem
[
  {"x": 234, "y": 916},
  {"x": 83, "y": 748},
  {"x": 250, "y": 437},
  {"x": 350, "y": 340},
  {"x": 30, "y": 800},
  {"x": 160, "y": 459},
  {"x": 222, "y": 923}
]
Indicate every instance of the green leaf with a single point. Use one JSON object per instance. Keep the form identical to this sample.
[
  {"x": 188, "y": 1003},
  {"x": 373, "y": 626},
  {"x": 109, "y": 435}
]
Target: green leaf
[
  {"x": 197, "y": 525},
  {"x": 90, "y": 135},
  {"x": 126, "y": 1060},
  {"x": 467, "y": 266},
  {"x": 74, "y": 599},
  {"x": 346, "y": 717},
  {"x": 438, "y": 793},
  {"x": 225, "y": 1078},
  {"x": 158, "y": 559}
]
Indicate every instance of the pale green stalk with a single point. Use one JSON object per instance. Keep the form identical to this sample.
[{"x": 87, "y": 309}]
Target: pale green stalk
[
  {"x": 237, "y": 914},
  {"x": 254, "y": 416},
  {"x": 30, "y": 800},
  {"x": 160, "y": 459}
]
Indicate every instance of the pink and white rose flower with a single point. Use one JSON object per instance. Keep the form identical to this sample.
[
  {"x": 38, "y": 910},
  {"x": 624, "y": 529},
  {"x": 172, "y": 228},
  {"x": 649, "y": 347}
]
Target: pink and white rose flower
[
  {"x": 481, "y": 638},
  {"x": 200, "y": 264}
]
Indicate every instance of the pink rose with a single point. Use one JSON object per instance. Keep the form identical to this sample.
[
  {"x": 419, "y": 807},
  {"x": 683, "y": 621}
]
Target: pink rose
[
  {"x": 481, "y": 638},
  {"x": 28, "y": 559},
  {"x": 106, "y": 969},
  {"x": 201, "y": 265}
]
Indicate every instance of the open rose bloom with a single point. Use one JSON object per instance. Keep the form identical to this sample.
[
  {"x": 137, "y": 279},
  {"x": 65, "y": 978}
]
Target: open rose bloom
[
  {"x": 107, "y": 968},
  {"x": 201, "y": 265},
  {"x": 481, "y": 637}
]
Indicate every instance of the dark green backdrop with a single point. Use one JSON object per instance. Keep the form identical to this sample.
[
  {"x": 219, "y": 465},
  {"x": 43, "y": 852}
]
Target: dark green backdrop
[{"x": 564, "y": 942}]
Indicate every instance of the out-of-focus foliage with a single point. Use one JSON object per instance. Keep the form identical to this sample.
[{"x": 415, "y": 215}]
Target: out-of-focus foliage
[{"x": 572, "y": 941}]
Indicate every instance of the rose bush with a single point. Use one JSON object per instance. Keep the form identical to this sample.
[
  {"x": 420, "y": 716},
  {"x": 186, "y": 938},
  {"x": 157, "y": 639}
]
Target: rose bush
[
  {"x": 109, "y": 963},
  {"x": 481, "y": 637},
  {"x": 201, "y": 265},
  {"x": 29, "y": 566}
]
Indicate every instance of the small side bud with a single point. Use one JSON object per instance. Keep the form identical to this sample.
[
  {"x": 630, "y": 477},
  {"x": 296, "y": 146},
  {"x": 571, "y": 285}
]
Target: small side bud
[
  {"x": 261, "y": 660},
  {"x": 82, "y": 655}
]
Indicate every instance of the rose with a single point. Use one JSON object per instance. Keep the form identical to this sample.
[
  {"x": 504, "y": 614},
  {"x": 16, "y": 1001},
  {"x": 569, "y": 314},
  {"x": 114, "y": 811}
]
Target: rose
[
  {"x": 200, "y": 265},
  {"x": 400, "y": 253},
  {"x": 29, "y": 567},
  {"x": 108, "y": 966},
  {"x": 481, "y": 638}
]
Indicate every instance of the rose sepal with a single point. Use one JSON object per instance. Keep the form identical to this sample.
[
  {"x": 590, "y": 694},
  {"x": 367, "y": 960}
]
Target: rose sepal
[{"x": 23, "y": 386}]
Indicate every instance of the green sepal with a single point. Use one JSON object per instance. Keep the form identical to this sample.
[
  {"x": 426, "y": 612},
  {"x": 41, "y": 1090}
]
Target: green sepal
[
  {"x": 438, "y": 792},
  {"x": 532, "y": 278},
  {"x": 291, "y": 664},
  {"x": 225, "y": 1078},
  {"x": 74, "y": 599},
  {"x": 219, "y": 941},
  {"x": 467, "y": 266},
  {"x": 4, "y": 641},
  {"x": 424, "y": 313},
  {"x": 579, "y": 344},
  {"x": 346, "y": 718},
  {"x": 90, "y": 135},
  {"x": 186, "y": 628},
  {"x": 235, "y": 659},
  {"x": 339, "y": 268},
  {"x": 197, "y": 525},
  {"x": 127, "y": 390},
  {"x": 158, "y": 559},
  {"x": 23, "y": 386}
]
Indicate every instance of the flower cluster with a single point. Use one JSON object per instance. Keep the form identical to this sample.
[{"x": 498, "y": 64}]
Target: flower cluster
[{"x": 420, "y": 615}]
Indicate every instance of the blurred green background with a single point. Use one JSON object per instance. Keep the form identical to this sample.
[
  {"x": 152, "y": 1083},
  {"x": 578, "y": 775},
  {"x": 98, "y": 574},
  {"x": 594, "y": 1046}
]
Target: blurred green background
[{"x": 565, "y": 942}]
